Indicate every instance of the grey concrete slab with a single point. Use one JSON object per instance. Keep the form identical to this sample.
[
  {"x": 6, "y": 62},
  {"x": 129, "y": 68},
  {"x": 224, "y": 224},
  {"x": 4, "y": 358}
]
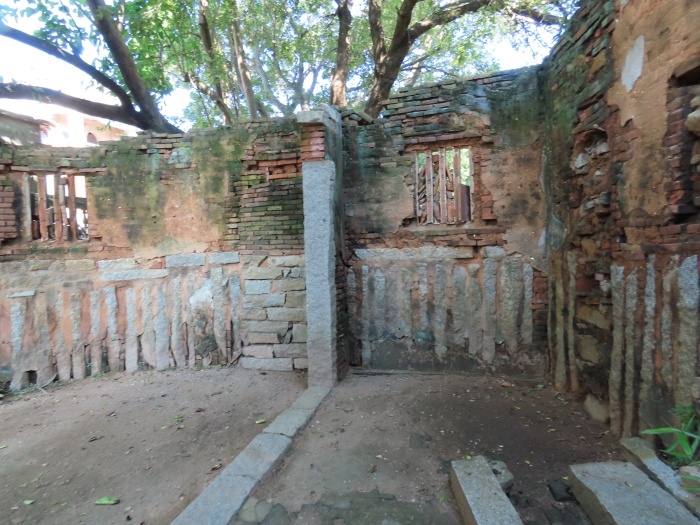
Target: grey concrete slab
[
  {"x": 618, "y": 493},
  {"x": 644, "y": 457},
  {"x": 479, "y": 495},
  {"x": 261, "y": 455},
  {"x": 289, "y": 422},
  {"x": 222, "y": 499},
  {"x": 310, "y": 399}
]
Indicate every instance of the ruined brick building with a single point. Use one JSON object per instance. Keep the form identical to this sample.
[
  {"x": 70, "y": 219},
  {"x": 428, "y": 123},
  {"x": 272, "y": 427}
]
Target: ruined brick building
[{"x": 544, "y": 220}]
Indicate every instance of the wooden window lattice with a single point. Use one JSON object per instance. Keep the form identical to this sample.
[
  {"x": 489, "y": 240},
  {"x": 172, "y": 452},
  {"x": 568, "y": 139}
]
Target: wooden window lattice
[
  {"x": 442, "y": 186},
  {"x": 56, "y": 212}
]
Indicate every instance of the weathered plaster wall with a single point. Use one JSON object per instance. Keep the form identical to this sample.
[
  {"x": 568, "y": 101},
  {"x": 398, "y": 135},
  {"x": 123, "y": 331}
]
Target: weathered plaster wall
[
  {"x": 623, "y": 233},
  {"x": 448, "y": 297},
  {"x": 666, "y": 35}
]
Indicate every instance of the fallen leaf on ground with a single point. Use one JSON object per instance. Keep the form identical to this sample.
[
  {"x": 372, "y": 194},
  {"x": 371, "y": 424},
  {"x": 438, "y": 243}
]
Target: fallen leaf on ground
[
  {"x": 28, "y": 501},
  {"x": 216, "y": 467},
  {"x": 107, "y": 500},
  {"x": 260, "y": 421},
  {"x": 372, "y": 469}
]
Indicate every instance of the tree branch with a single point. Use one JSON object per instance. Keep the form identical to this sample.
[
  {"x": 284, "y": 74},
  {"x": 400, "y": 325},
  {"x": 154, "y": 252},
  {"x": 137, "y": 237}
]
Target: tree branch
[
  {"x": 69, "y": 58},
  {"x": 455, "y": 10},
  {"x": 125, "y": 61},
  {"x": 204, "y": 89},
  {"x": 51, "y": 96},
  {"x": 267, "y": 89}
]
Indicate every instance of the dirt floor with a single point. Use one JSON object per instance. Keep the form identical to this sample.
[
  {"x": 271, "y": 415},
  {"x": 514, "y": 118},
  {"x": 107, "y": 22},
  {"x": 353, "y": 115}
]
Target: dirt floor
[
  {"x": 152, "y": 439},
  {"x": 378, "y": 450}
]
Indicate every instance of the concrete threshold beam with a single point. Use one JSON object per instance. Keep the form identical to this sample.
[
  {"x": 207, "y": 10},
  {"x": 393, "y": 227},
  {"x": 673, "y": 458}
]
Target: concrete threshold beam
[
  {"x": 479, "y": 495},
  {"x": 221, "y": 500},
  {"x": 618, "y": 493},
  {"x": 643, "y": 456}
]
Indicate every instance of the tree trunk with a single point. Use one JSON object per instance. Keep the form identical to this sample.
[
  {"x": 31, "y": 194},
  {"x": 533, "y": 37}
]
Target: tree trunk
[
  {"x": 340, "y": 73},
  {"x": 150, "y": 114},
  {"x": 242, "y": 64}
]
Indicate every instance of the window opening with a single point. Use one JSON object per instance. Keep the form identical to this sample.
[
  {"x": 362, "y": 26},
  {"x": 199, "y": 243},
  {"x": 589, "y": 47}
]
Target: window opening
[
  {"x": 58, "y": 207},
  {"x": 443, "y": 186}
]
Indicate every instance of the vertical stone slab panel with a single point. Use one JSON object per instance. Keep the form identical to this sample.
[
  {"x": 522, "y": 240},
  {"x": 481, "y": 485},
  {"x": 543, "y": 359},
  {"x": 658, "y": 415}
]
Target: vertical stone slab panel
[
  {"x": 177, "y": 337},
  {"x": 131, "y": 350},
  {"x": 162, "y": 329},
  {"x": 670, "y": 286},
  {"x": 526, "y": 326},
  {"x": 559, "y": 355},
  {"x": 235, "y": 294},
  {"x": 95, "y": 330},
  {"x": 318, "y": 184},
  {"x": 617, "y": 281},
  {"x": 689, "y": 295},
  {"x": 459, "y": 297},
  {"x": 18, "y": 310},
  {"x": 423, "y": 317},
  {"x": 148, "y": 338},
  {"x": 440, "y": 304},
  {"x": 365, "y": 306},
  {"x": 112, "y": 339},
  {"x": 630, "y": 373},
  {"x": 488, "y": 353},
  {"x": 510, "y": 302},
  {"x": 77, "y": 343},
  {"x": 42, "y": 359},
  {"x": 391, "y": 313},
  {"x": 218, "y": 292},
  {"x": 571, "y": 260},
  {"x": 189, "y": 321},
  {"x": 60, "y": 348},
  {"x": 405, "y": 326},
  {"x": 377, "y": 320},
  {"x": 353, "y": 307},
  {"x": 475, "y": 309},
  {"x": 649, "y": 341}
]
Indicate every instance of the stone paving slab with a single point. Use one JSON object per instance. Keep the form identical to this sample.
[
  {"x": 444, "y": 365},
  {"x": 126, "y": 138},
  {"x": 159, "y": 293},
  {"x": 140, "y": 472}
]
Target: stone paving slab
[
  {"x": 644, "y": 457},
  {"x": 221, "y": 500},
  {"x": 618, "y": 493},
  {"x": 479, "y": 495}
]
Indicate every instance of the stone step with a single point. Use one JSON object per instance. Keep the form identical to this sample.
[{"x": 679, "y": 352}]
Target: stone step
[
  {"x": 618, "y": 493},
  {"x": 644, "y": 457},
  {"x": 479, "y": 495}
]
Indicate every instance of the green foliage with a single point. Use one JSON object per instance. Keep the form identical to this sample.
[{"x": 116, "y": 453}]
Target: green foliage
[
  {"x": 290, "y": 46},
  {"x": 686, "y": 439}
]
